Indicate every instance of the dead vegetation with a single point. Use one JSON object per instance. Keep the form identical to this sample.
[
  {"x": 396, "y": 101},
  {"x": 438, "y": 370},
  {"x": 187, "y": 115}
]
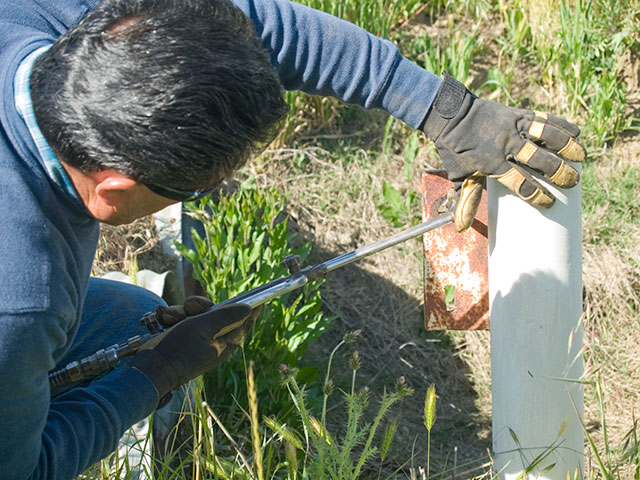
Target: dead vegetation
[
  {"x": 611, "y": 275},
  {"x": 333, "y": 200}
]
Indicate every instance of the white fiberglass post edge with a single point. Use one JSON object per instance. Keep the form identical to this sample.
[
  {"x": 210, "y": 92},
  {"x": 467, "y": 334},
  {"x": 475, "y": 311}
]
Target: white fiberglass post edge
[{"x": 535, "y": 291}]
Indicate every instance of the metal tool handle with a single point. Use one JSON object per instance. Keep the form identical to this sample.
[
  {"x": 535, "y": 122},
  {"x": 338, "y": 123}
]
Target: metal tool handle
[
  {"x": 261, "y": 295},
  {"x": 108, "y": 358}
]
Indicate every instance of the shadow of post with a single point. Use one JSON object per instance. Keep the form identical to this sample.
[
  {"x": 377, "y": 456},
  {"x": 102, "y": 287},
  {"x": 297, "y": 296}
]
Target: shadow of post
[{"x": 394, "y": 343}]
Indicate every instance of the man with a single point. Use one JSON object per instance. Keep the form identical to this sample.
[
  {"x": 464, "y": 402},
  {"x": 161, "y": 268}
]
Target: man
[{"x": 113, "y": 110}]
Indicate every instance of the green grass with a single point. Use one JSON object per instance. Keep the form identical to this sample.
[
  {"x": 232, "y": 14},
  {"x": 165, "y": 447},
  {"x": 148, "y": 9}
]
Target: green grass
[
  {"x": 611, "y": 198},
  {"x": 350, "y": 177}
]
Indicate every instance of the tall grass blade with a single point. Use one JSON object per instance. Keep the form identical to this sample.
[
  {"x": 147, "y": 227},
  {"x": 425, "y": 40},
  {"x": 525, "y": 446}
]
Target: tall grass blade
[
  {"x": 252, "y": 393},
  {"x": 594, "y": 449}
]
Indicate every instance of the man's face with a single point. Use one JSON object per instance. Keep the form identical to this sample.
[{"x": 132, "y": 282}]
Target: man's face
[{"x": 137, "y": 203}]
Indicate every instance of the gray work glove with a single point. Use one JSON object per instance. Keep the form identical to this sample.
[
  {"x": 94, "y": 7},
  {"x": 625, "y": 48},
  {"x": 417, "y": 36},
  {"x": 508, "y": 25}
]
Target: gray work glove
[
  {"x": 476, "y": 138},
  {"x": 195, "y": 345}
]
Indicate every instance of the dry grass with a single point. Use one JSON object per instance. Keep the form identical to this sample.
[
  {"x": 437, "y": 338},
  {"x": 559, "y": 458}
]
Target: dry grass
[
  {"x": 333, "y": 200},
  {"x": 611, "y": 274},
  {"x": 129, "y": 248}
]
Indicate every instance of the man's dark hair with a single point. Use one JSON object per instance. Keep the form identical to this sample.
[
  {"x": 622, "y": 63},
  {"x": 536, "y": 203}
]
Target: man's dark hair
[{"x": 171, "y": 92}]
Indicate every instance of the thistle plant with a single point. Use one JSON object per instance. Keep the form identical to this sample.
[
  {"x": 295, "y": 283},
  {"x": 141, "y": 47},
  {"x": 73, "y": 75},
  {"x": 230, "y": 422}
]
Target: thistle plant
[
  {"x": 349, "y": 337},
  {"x": 329, "y": 457}
]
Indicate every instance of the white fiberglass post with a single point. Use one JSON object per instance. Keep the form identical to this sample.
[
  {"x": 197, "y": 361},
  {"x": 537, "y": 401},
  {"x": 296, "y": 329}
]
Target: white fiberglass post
[{"x": 535, "y": 291}]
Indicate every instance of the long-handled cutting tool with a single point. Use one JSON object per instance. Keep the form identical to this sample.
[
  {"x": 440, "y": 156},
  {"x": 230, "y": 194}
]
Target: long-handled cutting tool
[{"x": 109, "y": 357}]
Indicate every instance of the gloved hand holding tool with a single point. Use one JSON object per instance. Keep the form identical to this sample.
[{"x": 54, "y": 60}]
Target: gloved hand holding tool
[
  {"x": 196, "y": 343},
  {"x": 199, "y": 335},
  {"x": 477, "y": 138},
  {"x": 193, "y": 305}
]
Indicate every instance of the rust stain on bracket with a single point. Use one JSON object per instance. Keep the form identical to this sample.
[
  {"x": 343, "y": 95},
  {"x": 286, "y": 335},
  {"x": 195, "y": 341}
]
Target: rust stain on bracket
[{"x": 456, "y": 279}]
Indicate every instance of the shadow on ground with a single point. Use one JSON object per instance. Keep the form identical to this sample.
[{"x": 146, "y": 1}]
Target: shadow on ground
[{"x": 395, "y": 344}]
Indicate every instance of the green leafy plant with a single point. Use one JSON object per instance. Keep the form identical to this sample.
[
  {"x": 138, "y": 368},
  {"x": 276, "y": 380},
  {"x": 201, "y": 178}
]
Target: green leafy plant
[
  {"x": 518, "y": 36},
  {"x": 245, "y": 240},
  {"x": 400, "y": 208},
  {"x": 450, "y": 297},
  {"x": 396, "y": 207}
]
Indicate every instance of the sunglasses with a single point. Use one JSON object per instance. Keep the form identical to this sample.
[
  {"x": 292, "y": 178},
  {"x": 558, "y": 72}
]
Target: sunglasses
[{"x": 177, "y": 194}]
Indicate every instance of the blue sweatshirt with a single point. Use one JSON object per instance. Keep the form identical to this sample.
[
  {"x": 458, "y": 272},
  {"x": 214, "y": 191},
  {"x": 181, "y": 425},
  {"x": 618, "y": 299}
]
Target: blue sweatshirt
[{"x": 48, "y": 241}]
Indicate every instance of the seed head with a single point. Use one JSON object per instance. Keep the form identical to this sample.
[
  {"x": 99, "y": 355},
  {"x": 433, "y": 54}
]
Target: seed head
[
  {"x": 287, "y": 374},
  {"x": 401, "y": 383},
  {"x": 402, "y": 387},
  {"x": 354, "y": 361},
  {"x": 387, "y": 438},
  {"x": 350, "y": 337},
  {"x": 430, "y": 407},
  {"x": 328, "y": 387}
]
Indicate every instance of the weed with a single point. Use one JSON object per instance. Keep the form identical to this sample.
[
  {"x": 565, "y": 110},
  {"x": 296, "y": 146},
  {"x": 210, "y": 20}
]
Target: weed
[
  {"x": 394, "y": 206},
  {"x": 610, "y": 198},
  {"x": 376, "y": 16},
  {"x": 245, "y": 240},
  {"x": 397, "y": 207},
  {"x": 429, "y": 419},
  {"x": 454, "y": 55},
  {"x": 573, "y": 54},
  {"x": 610, "y": 463},
  {"x": 344, "y": 459}
]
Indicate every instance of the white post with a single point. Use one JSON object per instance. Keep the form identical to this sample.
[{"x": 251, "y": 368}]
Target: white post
[{"x": 535, "y": 292}]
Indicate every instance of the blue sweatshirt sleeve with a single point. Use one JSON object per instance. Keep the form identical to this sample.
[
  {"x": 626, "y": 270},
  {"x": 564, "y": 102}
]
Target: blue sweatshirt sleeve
[
  {"x": 59, "y": 438},
  {"x": 323, "y": 55}
]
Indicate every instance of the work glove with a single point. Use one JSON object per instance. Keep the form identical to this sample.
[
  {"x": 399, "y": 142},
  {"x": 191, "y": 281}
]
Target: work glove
[
  {"x": 193, "y": 305},
  {"x": 476, "y": 138},
  {"x": 195, "y": 345}
]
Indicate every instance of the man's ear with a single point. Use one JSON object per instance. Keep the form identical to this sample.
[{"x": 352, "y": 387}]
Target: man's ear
[{"x": 111, "y": 186}]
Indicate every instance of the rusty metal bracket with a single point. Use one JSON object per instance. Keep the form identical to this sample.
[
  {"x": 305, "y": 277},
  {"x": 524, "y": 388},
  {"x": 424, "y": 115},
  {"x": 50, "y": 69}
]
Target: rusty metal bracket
[{"x": 456, "y": 279}]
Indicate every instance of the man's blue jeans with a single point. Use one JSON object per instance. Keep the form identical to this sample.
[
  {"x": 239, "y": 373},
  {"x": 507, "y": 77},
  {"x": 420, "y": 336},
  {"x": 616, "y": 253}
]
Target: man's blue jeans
[{"x": 111, "y": 315}]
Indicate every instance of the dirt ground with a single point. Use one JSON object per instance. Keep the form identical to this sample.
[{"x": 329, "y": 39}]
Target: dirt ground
[{"x": 383, "y": 296}]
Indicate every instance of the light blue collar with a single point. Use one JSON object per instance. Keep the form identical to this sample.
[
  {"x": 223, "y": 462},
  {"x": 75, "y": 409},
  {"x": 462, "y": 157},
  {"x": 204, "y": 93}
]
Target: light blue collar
[{"x": 22, "y": 94}]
